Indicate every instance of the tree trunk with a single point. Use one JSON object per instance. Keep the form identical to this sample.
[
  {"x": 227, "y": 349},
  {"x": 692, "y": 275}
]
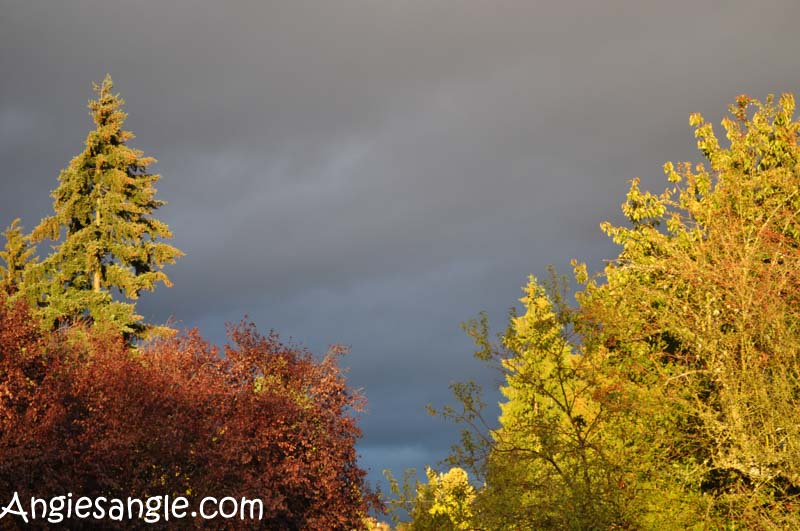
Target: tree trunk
[{"x": 96, "y": 275}]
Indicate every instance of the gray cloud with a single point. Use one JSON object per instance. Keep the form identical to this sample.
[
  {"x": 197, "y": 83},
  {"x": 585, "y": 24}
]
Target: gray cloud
[{"x": 373, "y": 173}]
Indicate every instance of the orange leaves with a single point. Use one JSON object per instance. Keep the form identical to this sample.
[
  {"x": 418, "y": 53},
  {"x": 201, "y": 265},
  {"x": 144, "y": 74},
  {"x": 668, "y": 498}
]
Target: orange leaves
[{"x": 86, "y": 414}]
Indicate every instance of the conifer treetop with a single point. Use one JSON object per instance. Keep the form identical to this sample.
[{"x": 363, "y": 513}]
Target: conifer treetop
[
  {"x": 16, "y": 255},
  {"x": 103, "y": 219}
]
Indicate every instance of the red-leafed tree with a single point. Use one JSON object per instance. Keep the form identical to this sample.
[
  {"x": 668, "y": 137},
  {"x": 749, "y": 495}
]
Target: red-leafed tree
[{"x": 82, "y": 413}]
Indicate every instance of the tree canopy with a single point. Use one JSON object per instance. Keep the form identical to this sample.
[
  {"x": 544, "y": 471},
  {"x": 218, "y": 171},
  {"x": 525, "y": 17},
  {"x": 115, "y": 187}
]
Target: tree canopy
[
  {"x": 84, "y": 413},
  {"x": 669, "y": 394}
]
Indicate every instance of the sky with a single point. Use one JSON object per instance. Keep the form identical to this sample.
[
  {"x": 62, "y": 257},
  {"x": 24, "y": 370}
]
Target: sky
[{"x": 373, "y": 173}]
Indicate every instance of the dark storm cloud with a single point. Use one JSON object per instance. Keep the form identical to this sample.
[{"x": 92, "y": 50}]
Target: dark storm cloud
[{"x": 373, "y": 173}]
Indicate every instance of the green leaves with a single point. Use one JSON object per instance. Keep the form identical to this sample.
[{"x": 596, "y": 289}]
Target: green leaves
[
  {"x": 445, "y": 503},
  {"x": 715, "y": 314},
  {"x": 669, "y": 396}
]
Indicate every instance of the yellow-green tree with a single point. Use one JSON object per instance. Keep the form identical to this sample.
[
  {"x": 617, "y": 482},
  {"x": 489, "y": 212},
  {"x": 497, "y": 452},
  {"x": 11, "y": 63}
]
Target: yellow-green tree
[
  {"x": 450, "y": 497},
  {"x": 670, "y": 395},
  {"x": 706, "y": 296},
  {"x": 444, "y": 503},
  {"x": 571, "y": 451},
  {"x": 549, "y": 466},
  {"x": 108, "y": 240}
]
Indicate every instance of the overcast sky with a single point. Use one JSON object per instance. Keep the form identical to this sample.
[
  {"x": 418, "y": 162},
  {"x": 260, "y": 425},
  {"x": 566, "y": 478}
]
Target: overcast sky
[{"x": 375, "y": 172}]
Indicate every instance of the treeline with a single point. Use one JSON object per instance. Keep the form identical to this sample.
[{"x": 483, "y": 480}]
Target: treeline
[
  {"x": 664, "y": 394},
  {"x": 95, "y": 402},
  {"x": 667, "y": 395}
]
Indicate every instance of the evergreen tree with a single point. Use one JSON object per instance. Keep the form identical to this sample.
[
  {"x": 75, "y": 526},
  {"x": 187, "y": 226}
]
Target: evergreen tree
[
  {"x": 17, "y": 255},
  {"x": 108, "y": 240}
]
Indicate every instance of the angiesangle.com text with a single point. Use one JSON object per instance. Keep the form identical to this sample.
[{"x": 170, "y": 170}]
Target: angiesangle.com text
[{"x": 153, "y": 509}]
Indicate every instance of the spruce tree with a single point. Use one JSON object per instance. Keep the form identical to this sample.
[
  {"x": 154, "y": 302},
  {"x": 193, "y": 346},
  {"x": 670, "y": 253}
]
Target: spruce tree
[
  {"x": 16, "y": 255},
  {"x": 109, "y": 246}
]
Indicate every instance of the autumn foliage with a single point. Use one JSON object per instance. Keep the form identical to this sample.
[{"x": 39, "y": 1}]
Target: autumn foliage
[
  {"x": 81, "y": 412},
  {"x": 667, "y": 395}
]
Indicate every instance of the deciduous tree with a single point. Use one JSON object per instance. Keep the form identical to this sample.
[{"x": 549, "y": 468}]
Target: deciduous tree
[
  {"x": 706, "y": 297},
  {"x": 83, "y": 413},
  {"x": 669, "y": 395},
  {"x": 445, "y": 503}
]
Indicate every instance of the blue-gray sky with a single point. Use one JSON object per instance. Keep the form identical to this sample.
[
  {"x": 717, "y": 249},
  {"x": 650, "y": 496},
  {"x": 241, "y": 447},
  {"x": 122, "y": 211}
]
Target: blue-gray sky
[{"x": 373, "y": 173}]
